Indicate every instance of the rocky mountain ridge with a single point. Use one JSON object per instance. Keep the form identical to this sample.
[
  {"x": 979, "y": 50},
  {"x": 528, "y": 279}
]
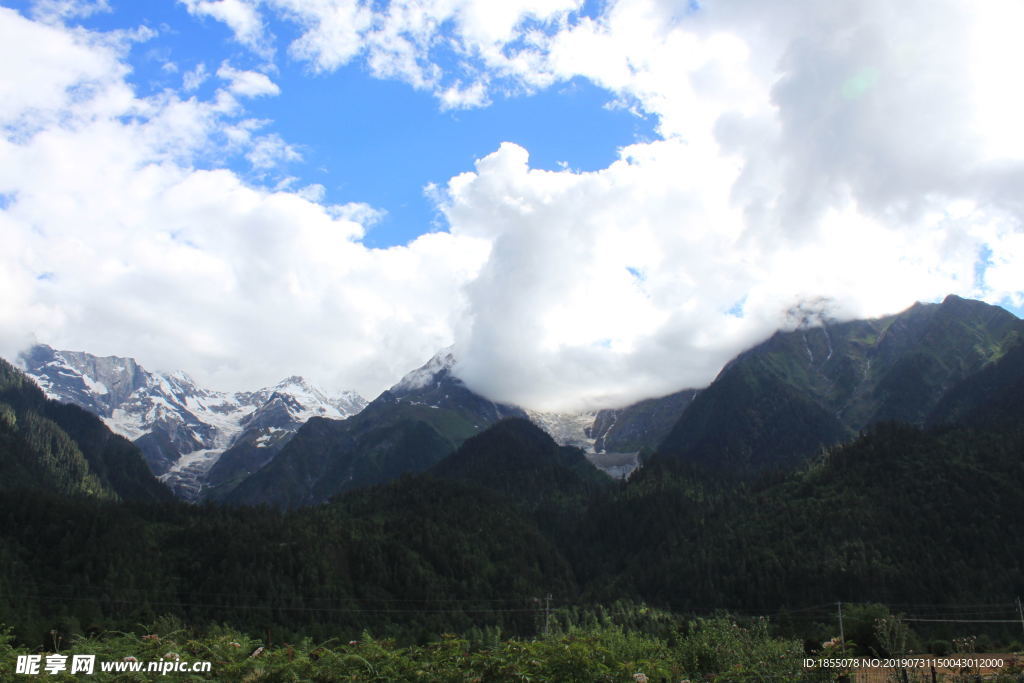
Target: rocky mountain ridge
[
  {"x": 181, "y": 428},
  {"x": 772, "y": 406}
]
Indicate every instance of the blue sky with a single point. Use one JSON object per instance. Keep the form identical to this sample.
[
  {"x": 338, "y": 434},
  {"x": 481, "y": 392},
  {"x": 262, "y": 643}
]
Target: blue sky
[
  {"x": 623, "y": 193},
  {"x": 382, "y": 143},
  {"x": 371, "y": 140}
]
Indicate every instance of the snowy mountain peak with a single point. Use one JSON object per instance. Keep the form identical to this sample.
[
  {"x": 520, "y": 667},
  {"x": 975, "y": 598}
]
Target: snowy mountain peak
[
  {"x": 97, "y": 384},
  {"x": 299, "y": 387},
  {"x": 293, "y": 381},
  {"x": 181, "y": 428},
  {"x": 181, "y": 379},
  {"x": 349, "y": 403},
  {"x": 442, "y": 363},
  {"x": 305, "y": 399}
]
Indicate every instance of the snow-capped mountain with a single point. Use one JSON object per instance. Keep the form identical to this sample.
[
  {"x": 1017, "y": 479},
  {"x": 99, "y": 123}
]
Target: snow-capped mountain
[
  {"x": 204, "y": 443},
  {"x": 611, "y": 439},
  {"x": 410, "y": 427},
  {"x": 435, "y": 384},
  {"x": 181, "y": 428},
  {"x": 432, "y": 373}
]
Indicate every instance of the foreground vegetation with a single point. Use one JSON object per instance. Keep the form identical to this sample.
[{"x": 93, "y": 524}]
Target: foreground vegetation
[
  {"x": 605, "y": 652},
  {"x": 717, "y": 648}
]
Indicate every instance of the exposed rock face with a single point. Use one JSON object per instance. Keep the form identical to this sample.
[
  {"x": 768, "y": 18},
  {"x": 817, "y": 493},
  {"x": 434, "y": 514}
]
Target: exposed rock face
[{"x": 181, "y": 428}]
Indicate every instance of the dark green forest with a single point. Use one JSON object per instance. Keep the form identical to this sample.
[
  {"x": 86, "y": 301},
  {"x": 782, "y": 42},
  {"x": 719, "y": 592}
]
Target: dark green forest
[{"x": 900, "y": 515}]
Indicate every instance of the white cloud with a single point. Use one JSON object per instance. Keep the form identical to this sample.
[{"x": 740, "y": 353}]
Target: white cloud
[
  {"x": 605, "y": 287},
  {"x": 241, "y": 17},
  {"x": 402, "y": 39},
  {"x": 810, "y": 150},
  {"x": 271, "y": 150},
  {"x": 863, "y": 154},
  {"x": 195, "y": 78},
  {"x": 459, "y": 97},
  {"x": 314, "y": 192},
  {"x": 333, "y": 30},
  {"x": 59, "y": 10},
  {"x": 44, "y": 81},
  {"x": 358, "y": 212},
  {"x": 116, "y": 243},
  {"x": 247, "y": 83}
]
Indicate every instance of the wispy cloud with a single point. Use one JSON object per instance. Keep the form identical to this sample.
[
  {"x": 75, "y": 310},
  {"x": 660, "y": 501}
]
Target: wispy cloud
[
  {"x": 241, "y": 16},
  {"x": 247, "y": 83}
]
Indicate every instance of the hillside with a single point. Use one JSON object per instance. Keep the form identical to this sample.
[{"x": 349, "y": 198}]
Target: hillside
[
  {"x": 782, "y": 401},
  {"x": 410, "y": 427},
  {"x": 48, "y": 446}
]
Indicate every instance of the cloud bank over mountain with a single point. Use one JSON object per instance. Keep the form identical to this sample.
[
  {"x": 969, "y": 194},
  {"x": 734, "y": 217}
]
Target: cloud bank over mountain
[{"x": 847, "y": 157}]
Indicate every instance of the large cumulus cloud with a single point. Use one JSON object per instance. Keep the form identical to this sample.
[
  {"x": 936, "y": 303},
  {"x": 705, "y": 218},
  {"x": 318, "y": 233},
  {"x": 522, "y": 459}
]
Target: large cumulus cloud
[{"x": 858, "y": 155}]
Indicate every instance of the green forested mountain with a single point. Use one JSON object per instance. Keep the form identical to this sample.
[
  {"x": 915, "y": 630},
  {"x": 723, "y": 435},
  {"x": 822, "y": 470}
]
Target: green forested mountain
[
  {"x": 519, "y": 460},
  {"x": 418, "y": 554},
  {"x": 328, "y": 457},
  {"x": 434, "y": 553},
  {"x": 48, "y": 446},
  {"x": 899, "y": 515},
  {"x": 554, "y": 485},
  {"x": 405, "y": 430},
  {"x": 779, "y": 403}
]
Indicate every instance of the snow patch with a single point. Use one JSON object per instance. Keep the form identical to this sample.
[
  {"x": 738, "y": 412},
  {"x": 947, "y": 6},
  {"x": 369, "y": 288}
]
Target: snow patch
[
  {"x": 567, "y": 429},
  {"x": 95, "y": 387},
  {"x": 575, "y": 429}
]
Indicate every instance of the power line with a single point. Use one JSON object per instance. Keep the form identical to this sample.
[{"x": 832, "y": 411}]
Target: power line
[
  {"x": 276, "y": 607},
  {"x": 966, "y": 621},
  {"x": 924, "y": 613},
  {"x": 298, "y": 596}
]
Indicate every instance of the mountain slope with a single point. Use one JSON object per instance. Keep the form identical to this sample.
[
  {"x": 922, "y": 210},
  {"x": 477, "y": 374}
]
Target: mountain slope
[
  {"x": 48, "y": 446},
  {"x": 517, "y": 459},
  {"x": 616, "y": 440},
  {"x": 782, "y": 401},
  {"x": 131, "y": 400},
  {"x": 116, "y": 461},
  {"x": 408, "y": 428},
  {"x": 991, "y": 397},
  {"x": 413, "y": 555},
  {"x": 899, "y": 515},
  {"x": 642, "y": 425}
]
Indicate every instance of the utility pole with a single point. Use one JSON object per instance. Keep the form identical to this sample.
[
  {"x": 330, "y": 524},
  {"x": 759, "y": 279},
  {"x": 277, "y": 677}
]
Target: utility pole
[
  {"x": 1020, "y": 611},
  {"x": 842, "y": 636},
  {"x": 547, "y": 613}
]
